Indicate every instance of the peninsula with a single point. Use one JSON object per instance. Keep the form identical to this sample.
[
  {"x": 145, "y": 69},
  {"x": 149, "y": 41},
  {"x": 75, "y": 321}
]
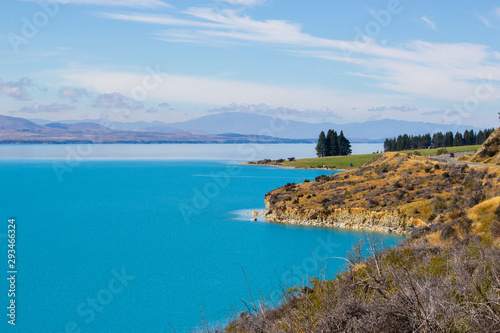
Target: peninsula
[{"x": 442, "y": 278}]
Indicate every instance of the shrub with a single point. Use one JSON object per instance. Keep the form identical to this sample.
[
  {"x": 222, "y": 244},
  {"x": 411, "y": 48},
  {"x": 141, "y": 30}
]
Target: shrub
[
  {"x": 495, "y": 228},
  {"x": 321, "y": 178},
  {"x": 441, "y": 151}
]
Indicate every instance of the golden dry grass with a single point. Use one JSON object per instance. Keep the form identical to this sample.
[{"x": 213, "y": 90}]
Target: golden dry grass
[
  {"x": 423, "y": 191},
  {"x": 483, "y": 214}
]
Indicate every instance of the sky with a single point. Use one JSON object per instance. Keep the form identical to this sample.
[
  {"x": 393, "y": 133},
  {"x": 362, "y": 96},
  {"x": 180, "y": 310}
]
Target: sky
[{"x": 314, "y": 61}]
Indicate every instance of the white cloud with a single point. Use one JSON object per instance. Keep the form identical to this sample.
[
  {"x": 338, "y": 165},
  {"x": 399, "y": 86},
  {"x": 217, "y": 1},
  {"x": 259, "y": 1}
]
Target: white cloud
[
  {"x": 485, "y": 21},
  {"x": 73, "y": 93},
  {"x": 158, "y": 19},
  {"x": 402, "y": 108},
  {"x": 116, "y": 100},
  {"x": 324, "y": 114},
  {"x": 443, "y": 71},
  {"x": 120, "y": 3},
  {"x": 17, "y": 90},
  {"x": 248, "y": 3},
  {"x": 39, "y": 108},
  {"x": 429, "y": 23},
  {"x": 215, "y": 92}
]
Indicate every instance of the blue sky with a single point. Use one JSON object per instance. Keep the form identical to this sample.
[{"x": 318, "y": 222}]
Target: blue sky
[{"x": 340, "y": 61}]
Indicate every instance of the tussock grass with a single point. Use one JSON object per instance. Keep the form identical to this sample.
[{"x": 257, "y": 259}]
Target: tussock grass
[
  {"x": 417, "y": 187},
  {"x": 444, "y": 278},
  {"x": 415, "y": 287},
  {"x": 484, "y": 214}
]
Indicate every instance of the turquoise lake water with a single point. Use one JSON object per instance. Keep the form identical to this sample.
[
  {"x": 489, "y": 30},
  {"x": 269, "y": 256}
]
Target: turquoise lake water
[{"x": 147, "y": 246}]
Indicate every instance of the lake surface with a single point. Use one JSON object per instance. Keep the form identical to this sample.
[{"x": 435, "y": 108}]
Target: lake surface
[
  {"x": 244, "y": 152},
  {"x": 147, "y": 246}
]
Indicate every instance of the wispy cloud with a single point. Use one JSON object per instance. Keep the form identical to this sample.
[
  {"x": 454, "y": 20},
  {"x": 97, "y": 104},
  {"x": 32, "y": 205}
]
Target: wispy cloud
[
  {"x": 217, "y": 91},
  {"x": 445, "y": 71},
  {"x": 248, "y": 3},
  {"x": 429, "y": 23},
  {"x": 17, "y": 90},
  {"x": 116, "y": 101},
  {"x": 117, "y": 3},
  {"x": 485, "y": 21},
  {"x": 39, "y": 108},
  {"x": 402, "y": 108},
  {"x": 323, "y": 114},
  {"x": 74, "y": 94},
  {"x": 158, "y": 19},
  {"x": 441, "y": 112}
]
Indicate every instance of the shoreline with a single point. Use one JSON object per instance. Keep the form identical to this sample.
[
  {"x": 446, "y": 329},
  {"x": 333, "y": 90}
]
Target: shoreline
[
  {"x": 291, "y": 167},
  {"x": 353, "y": 219}
]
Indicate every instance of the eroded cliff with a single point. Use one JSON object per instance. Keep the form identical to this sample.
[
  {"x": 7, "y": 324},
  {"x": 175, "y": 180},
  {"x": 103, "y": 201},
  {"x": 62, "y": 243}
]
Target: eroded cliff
[{"x": 395, "y": 192}]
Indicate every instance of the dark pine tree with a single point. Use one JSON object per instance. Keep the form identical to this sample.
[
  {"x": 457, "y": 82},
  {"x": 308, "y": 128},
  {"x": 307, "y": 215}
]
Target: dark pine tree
[
  {"x": 480, "y": 138},
  {"x": 387, "y": 145},
  {"x": 438, "y": 140},
  {"x": 448, "y": 139},
  {"x": 335, "y": 144},
  {"x": 328, "y": 143},
  {"x": 344, "y": 145},
  {"x": 458, "y": 140},
  {"x": 426, "y": 141},
  {"x": 320, "y": 147}
]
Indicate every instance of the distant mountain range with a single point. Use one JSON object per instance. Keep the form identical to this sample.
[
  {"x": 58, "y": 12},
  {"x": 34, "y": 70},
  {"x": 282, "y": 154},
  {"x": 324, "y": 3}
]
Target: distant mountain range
[
  {"x": 253, "y": 124},
  {"x": 18, "y": 130}
]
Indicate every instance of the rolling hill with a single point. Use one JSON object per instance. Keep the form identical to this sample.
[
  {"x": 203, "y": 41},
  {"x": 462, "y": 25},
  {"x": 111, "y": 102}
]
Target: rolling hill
[
  {"x": 18, "y": 130},
  {"x": 253, "y": 124}
]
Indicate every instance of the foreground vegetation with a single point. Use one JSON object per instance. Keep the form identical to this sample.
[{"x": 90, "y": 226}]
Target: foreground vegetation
[
  {"x": 444, "y": 278},
  {"x": 416, "y": 287}
]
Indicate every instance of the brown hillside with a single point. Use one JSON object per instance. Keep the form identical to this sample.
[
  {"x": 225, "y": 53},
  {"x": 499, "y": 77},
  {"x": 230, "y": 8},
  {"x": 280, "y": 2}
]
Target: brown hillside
[
  {"x": 489, "y": 153},
  {"x": 394, "y": 192},
  {"x": 443, "y": 278}
]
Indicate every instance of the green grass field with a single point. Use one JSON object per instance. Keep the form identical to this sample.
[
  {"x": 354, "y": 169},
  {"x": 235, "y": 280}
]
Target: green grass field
[
  {"x": 338, "y": 162},
  {"x": 429, "y": 152},
  {"x": 344, "y": 162}
]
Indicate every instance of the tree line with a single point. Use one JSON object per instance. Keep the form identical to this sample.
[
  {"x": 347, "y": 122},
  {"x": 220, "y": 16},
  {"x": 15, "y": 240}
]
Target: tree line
[
  {"x": 437, "y": 140},
  {"x": 333, "y": 144}
]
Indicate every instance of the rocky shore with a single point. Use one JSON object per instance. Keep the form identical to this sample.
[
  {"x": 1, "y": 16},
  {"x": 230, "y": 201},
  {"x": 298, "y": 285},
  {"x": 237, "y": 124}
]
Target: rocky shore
[{"x": 389, "y": 221}]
